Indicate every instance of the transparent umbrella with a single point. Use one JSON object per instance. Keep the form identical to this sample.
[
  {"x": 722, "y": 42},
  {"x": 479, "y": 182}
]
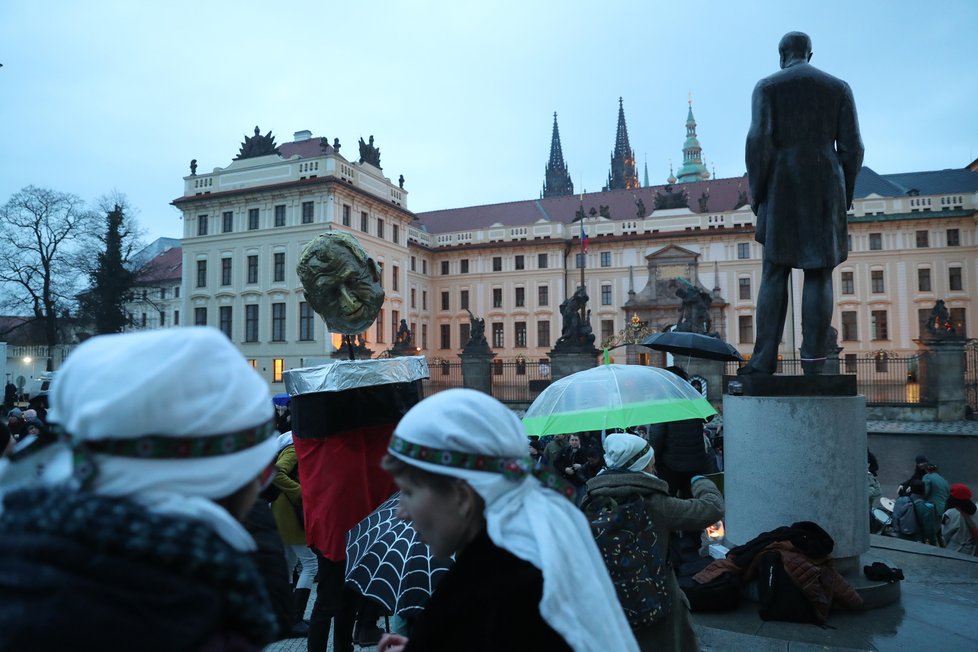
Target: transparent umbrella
[{"x": 614, "y": 396}]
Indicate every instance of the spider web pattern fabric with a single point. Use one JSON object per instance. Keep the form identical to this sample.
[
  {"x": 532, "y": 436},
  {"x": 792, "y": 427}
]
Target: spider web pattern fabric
[{"x": 386, "y": 561}]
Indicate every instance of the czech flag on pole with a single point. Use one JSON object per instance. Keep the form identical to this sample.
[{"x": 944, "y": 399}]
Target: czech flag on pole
[{"x": 583, "y": 239}]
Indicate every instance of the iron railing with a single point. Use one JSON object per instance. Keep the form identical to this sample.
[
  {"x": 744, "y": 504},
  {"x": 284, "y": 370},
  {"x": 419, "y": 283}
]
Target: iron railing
[
  {"x": 518, "y": 381},
  {"x": 443, "y": 375},
  {"x": 883, "y": 378}
]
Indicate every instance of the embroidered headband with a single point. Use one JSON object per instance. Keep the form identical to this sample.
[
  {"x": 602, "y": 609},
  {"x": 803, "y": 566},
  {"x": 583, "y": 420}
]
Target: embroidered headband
[
  {"x": 161, "y": 447},
  {"x": 512, "y": 468}
]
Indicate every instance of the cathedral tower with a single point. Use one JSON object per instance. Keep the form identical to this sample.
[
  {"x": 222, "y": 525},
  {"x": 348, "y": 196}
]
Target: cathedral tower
[
  {"x": 557, "y": 181},
  {"x": 622, "y": 175}
]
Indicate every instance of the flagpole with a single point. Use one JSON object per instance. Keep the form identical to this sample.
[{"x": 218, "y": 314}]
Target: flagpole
[{"x": 583, "y": 255}]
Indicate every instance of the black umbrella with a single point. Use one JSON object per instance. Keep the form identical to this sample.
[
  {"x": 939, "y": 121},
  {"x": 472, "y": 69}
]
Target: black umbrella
[
  {"x": 694, "y": 345},
  {"x": 386, "y": 561}
]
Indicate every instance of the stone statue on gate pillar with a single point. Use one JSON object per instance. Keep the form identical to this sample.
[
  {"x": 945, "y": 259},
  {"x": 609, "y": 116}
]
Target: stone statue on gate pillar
[{"x": 575, "y": 333}]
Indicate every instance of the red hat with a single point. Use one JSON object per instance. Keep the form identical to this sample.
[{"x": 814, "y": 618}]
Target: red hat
[{"x": 960, "y": 492}]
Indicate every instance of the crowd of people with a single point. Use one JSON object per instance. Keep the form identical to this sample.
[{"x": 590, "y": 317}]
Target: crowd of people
[
  {"x": 944, "y": 513},
  {"x": 127, "y": 523}
]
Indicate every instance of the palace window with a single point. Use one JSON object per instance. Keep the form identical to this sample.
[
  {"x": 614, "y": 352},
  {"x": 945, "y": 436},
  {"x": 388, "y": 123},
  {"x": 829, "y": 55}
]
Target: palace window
[
  {"x": 251, "y": 322},
  {"x": 745, "y": 328},
  {"x": 743, "y": 288},
  {"x": 848, "y": 284},
  {"x": 278, "y": 322},
  {"x": 278, "y": 267},
  {"x": 849, "y": 331},
  {"x": 923, "y": 279},
  {"x": 226, "y": 271}
]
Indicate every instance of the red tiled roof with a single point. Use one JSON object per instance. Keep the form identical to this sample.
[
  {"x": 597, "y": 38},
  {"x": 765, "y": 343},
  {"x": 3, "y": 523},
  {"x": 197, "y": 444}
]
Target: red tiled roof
[
  {"x": 621, "y": 206},
  {"x": 309, "y": 148},
  {"x": 167, "y": 266}
]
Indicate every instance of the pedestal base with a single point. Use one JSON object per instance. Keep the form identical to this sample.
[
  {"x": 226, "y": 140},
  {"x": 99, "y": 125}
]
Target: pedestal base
[
  {"x": 476, "y": 372},
  {"x": 789, "y": 459},
  {"x": 564, "y": 364}
]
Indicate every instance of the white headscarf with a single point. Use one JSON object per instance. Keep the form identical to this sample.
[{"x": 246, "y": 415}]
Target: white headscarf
[
  {"x": 186, "y": 383},
  {"x": 534, "y": 523},
  {"x": 626, "y": 451},
  {"x": 284, "y": 440}
]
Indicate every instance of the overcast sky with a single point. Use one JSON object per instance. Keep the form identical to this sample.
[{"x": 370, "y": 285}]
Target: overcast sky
[{"x": 97, "y": 95}]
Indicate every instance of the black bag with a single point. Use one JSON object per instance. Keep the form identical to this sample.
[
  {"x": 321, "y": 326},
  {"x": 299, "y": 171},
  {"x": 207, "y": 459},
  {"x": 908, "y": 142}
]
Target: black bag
[
  {"x": 720, "y": 594},
  {"x": 779, "y": 597}
]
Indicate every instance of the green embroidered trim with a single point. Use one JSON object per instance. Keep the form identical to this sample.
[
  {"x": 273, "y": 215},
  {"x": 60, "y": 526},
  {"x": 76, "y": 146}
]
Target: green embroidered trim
[
  {"x": 158, "y": 447},
  {"x": 513, "y": 468}
]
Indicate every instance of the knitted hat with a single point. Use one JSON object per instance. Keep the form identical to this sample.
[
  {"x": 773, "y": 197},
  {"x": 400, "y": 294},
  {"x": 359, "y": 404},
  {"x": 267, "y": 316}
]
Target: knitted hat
[
  {"x": 625, "y": 451},
  {"x": 922, "y": 459},
  {"x": 15, "y": 413},
  {"x": 960, "y": 492}
]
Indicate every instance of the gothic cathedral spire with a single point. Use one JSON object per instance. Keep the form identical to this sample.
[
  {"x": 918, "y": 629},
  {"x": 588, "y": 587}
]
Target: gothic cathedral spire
[
  {"x": 557, "y": 181},
  {"x": 622, "y": 175}
]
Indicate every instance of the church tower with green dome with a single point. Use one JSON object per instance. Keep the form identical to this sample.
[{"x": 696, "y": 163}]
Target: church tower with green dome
[{"x": 693, "y": 168}]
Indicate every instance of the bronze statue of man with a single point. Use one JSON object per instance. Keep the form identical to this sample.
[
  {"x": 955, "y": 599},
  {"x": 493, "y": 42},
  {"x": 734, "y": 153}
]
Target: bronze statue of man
[{"x": 803, "y": 154}]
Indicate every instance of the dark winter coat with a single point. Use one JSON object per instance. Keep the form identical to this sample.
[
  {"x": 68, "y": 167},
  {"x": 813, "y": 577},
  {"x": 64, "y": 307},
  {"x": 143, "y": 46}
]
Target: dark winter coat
[
  {"x": 803, "y": 154},
  {"x": 567, "y": 458},
  {"x": 270, "y": 561},
  {"x": 86, "y": 572},
  {"x": 680, "y": 452},
  {"x": 669, "y": 514},
  {"x": 488, "y": 602}
]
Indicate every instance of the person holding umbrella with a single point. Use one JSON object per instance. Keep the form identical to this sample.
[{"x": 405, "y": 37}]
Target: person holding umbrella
[
  {"x": 681, "y": 449},
  {"x": 526, "y": 564}
]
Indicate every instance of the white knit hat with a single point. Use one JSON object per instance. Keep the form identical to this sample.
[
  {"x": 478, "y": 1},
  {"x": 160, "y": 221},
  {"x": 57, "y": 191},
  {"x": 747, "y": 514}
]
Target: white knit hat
[{"x": 627, "y": 451}]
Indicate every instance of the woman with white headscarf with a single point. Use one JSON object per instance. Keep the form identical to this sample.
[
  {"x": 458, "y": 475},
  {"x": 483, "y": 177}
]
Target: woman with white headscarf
[
  {"x": 132, "y": 539},
  {"x": 527, "y": 573},
  {"x": 630, "y": 473}
]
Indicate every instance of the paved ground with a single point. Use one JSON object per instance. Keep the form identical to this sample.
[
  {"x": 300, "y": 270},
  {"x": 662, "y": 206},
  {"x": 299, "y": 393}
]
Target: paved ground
[{"x": 937, "y": 611}]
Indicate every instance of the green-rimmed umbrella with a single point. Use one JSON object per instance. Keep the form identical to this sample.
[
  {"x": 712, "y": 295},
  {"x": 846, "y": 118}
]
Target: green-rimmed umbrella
[{"x": 614, "y": 396}]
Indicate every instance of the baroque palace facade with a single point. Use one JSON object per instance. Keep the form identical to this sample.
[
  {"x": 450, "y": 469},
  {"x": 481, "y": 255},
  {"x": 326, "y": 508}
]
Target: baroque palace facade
[{"x": 913, "y": 240}]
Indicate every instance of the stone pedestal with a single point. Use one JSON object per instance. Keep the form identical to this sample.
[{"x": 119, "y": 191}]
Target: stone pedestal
[
  {"x": 794, "y": 458},
  {"x": 567, "y": 363},
  {"x": 477, "y": 372},
  {"x": 941, "y": 376}
]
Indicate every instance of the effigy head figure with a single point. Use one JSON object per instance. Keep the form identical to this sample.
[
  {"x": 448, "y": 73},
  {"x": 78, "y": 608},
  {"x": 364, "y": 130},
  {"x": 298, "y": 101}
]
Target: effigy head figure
[{"x": 341, "y": 282}]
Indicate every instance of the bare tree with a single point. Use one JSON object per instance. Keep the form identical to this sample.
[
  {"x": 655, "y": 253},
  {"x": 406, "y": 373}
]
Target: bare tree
[{"x": 43, "y": 231}]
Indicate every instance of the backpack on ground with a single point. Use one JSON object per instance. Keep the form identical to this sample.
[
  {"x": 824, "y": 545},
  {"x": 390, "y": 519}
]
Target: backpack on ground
[
  {"x": 905, "y": 517},
  {"x": 779, "y": 597},
  {"x": 625, "y": 534}
]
